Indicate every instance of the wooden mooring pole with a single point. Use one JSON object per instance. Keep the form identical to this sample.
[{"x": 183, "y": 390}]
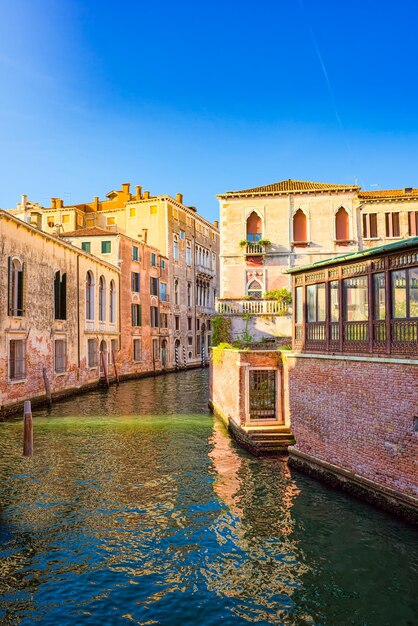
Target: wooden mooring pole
[
  {"x": 27, "y": 429},
  {"x": 47, "y": 386},
  {"x": 104, "y": 365}
]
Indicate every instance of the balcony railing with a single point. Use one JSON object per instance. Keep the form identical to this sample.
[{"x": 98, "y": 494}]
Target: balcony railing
[
  {"x": 254, "y": 249},
  {"x": 204, "y": 271},
  {"x": 254, "y": 307}
]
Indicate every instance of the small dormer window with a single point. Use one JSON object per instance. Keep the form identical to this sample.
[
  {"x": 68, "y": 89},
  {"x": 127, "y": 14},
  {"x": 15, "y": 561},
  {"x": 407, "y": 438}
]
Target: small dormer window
[{"x": 408, "y": 190}]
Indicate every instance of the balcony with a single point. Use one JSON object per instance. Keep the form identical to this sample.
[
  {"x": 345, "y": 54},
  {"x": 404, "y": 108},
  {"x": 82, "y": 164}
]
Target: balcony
[
  {"x": 254, "y": 249},
  {"x": 253, "y": 307},
  {"x": 203, "y": 271}
]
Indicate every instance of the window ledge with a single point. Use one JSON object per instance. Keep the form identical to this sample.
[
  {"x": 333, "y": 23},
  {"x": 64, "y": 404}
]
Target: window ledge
[
  {"x": 343, "y": 242},
  {"x": 16, "y": 381},
  {"x": 60, "y": 373},
  {"x": 394, "y": 237},
  {"x": 301, "y": 244},
  {"x": 372, "y": 238}
]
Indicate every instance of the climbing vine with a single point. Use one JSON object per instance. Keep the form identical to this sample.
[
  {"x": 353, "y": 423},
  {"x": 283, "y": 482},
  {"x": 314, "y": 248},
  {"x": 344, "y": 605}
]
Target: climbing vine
[{"x": 221, "y": 330}]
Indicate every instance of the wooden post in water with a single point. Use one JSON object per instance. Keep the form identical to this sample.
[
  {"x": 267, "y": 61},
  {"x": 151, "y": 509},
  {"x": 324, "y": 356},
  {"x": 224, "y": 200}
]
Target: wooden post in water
[
  {"x": 116, "y": 369},
  {"x": 27, "y": 429},
  {"x": 102, "y": 356},
  {"x": 47, "y": 386}
]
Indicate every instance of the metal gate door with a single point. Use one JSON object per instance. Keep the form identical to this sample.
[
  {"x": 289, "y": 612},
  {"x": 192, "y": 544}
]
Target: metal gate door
[{"x": 262, "y": 394}]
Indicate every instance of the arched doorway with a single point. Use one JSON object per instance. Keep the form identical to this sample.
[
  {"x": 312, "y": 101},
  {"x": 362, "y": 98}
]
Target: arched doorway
[{"x": 103, "y": 360}]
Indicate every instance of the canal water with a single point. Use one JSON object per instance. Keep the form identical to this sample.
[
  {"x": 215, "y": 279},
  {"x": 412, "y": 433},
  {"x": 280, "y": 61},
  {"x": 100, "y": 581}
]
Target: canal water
[{"x": 138, "y": 508}]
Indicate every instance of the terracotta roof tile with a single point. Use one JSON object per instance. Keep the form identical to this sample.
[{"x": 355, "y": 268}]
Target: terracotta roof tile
[
  {"x": 286, "y": 186},
  {"x": 94, "y": 231},
  {"x": 409, "y": 192}
]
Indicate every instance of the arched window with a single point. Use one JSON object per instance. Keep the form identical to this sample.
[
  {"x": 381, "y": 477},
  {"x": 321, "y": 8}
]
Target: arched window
[
  {"x": 176, "y": 291},
  {"x": 102, "y": 299},
  {"x": 89, "y": 296},
  {"x": 342, "y": 229},
  {"x": 254, "y": 228},
  {"x": 16, "y": 287},
  {"x": 300, "y": 228},
  {"x": 188, "y": 253},
  {"x": 112, "y": 302},
  {"x": 189, "y": 294},
  {"x": 255, "y": 289},
  {"x": 176, "y": 248},
  {"x": 60, "y": 296}
]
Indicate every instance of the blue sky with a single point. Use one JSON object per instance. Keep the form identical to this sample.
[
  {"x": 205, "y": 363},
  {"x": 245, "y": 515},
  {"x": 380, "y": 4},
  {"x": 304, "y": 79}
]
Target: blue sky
[{"x": 203, "y": 97}]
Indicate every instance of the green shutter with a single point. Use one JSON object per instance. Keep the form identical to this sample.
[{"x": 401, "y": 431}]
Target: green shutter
[
  {"x": 63, "y": 297},
  {"x": 10, "y": 287},
  {"x": 139, "y": 315},
  {"x": 57, "y": 296},
  {"x": 21, "y": 290}
]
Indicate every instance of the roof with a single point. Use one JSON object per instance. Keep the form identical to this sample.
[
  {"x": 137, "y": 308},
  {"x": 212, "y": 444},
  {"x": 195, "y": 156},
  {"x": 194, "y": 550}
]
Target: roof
[
  {"x": 397, "y": 246},
  {"x": 291, "y": 186},
  {"x": 94, "y": 231},
  {"x": 388, "y": 194}
]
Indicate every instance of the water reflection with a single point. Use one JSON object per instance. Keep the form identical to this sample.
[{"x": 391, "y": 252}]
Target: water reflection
[{"x": 137, "y": 506}]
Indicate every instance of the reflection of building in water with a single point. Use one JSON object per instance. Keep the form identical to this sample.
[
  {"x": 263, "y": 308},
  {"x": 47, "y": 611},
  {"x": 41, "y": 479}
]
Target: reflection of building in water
[{"x": 261, "y": 560}]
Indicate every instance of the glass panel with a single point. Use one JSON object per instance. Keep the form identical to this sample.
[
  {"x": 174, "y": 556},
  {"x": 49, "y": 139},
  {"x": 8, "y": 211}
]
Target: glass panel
[
  {"x": 379, "y": 303},
  {"x": 399, "y": 294},
  {"x": 311, "y": 297},
  {"x": 299, "y": 305},
  {"x": 334, "y": 304},
  {"x": 413, "y": 292},
  {"x": 321, "y": 312},
  {"x": 356, "y": 305}
]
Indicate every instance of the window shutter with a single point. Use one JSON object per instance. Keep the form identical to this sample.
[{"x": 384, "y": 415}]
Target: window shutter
[
  {"x": 139, "y": 315},
  {"x": 10, "y": 287},
  {"x": 63, "y": 297},
  {"x": 21, "y": 290},
  {"x": 57, "y": 296}
]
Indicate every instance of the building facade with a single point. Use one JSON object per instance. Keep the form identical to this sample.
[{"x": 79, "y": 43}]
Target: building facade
[
  {"x": 178, "y": 232},
  {"x": 57, "y": 327}
]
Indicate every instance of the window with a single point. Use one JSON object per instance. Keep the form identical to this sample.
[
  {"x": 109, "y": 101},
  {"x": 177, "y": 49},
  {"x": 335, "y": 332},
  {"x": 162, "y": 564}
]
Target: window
[
  {"x": 86, "y": 246},
  {"x": 413, "y": 223},
  {"x": 316, "y": 302},
  {"x": 370, "y": 225},
  {"x": 190, "y": 340},
  {"x": 254, "y": 228},
  {"x": 176, "y": 291},
  {"x": 135, "y": 253},
  {"x": 334, "y": 301},
  {"x": 137, "y": 349},
  {"x": 342, "y": 228},
  {"x": 155, "y": 351},
  {"x": 112, "y": 303},
  {"x": 17, "y": 359},
  {"x": 16, "y": 288},
  {"x": 102, "y": 299},
  {"x": 177, "y": 322},
  {"x": 197, "y": 324},
  {"x": 153, "y": 259},
  {"x": 50, "y": 220},
  {"x": 90, "y": 222},
  {"x": 355, "y": 298},
  {"x": 189, "y": 294},
  {"x": 132, "y": 211},
  {"x": 154, "y": 286},
  {"x": 176, "y": 248},
  {"x": 163, "y": 320},
  {"x": 153, "y": 209},
  {"x": 405, "y": 293},
  {"x": 189, "y": 323},
  {"x": 392, "y": 225},
  {"x": 379, "y": 299},
  {"x": 89, "y": 296},
  {"x": 300, "y": 227},
  {"x": 162, "y": 264},
  {"x": 154, "y": 317},
  {"x": 136, "y": 314},
  {"x": 92, "y": 352},
  {"x": 299, "y": 305},
  {"x": 188, "y": 253},
  {"x": 80, "y": 220},
  {"x": 60, "y": 296},
  {"x": 106, "y": 247},
  {"x": 60, "y": 356},
  {"x": 163, "y": 292},
  {"x": 135, "y": 282},
  {"x": 110, "y": 221},
  {"x": 182, "y": 234},
  {"x": 255, "y": 289},
  {"x": 65, "y": 219}
]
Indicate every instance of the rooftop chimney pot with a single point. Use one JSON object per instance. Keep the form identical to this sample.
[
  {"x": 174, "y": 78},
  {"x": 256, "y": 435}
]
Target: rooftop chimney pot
[
  {"x": 146, "y": 195},
  {"x": 138, "y": 192},
  {"x": 179, "y": 198}
]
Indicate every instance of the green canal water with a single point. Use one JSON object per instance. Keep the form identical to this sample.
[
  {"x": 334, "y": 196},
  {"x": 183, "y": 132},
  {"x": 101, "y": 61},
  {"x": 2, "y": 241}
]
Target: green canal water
[{"x": 138, "y": 508}]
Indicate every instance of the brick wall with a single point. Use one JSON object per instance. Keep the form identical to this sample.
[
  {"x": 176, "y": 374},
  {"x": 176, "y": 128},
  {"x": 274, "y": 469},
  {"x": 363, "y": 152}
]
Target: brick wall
[{"x": 358, "y": 415}]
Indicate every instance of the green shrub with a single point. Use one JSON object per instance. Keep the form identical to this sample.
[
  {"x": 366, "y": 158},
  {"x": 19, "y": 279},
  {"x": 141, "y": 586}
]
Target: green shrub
[{"x": 221, "y": 330}]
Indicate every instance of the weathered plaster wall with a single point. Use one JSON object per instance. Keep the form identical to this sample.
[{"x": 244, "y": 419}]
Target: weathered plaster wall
[{"x": 262, "y": 326}]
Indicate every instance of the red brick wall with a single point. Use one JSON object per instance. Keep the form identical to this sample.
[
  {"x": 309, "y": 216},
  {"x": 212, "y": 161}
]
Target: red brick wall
[{"x": 357, "y": 415}]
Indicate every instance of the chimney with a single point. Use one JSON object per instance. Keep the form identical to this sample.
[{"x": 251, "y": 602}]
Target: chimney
[
  {"x": 125, "y": 188},
  {"x": 408, "y": 190},
  {"x": 146, "y": 195},
  {"x": 144, "y": 235},
  {"x": 24, "y": 201},
  {"x": 179, "y": 198},
  {"x": 53, "y": 203},
  {"x": 138, "y": 192},
  {"x": 216, "y": 224},
  {"x": 59, "y": 203},
  {"x": 96, "y": 203}
]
